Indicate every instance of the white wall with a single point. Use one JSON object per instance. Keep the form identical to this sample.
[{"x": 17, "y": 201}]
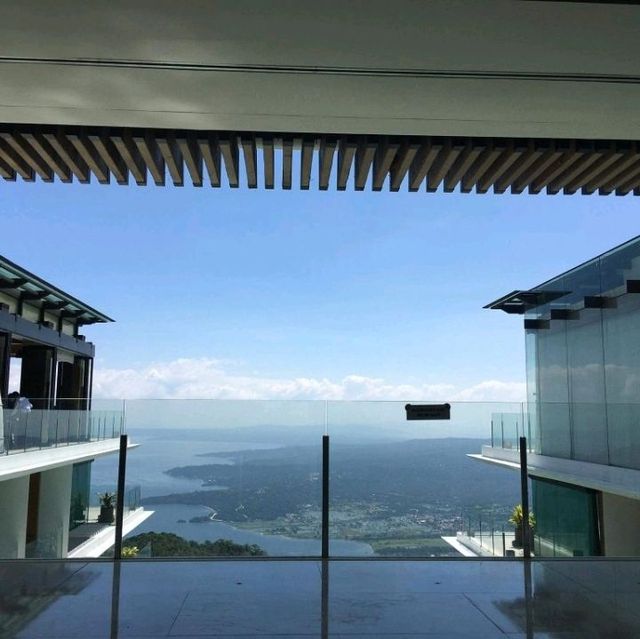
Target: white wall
[
  {"x": 53, "y": 512},
  {"x": 621, "y": 521},
  {"x": 14, "y": 495},
  {"x": 8, "y": 299}
]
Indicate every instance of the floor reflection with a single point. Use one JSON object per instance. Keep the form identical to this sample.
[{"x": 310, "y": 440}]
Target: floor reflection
[{"x": 337, "y": 598}]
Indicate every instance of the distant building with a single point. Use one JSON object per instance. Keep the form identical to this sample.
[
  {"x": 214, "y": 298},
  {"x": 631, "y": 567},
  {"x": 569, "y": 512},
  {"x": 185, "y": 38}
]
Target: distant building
[
  {"x": 583, "y": 419},
  {"x": 50, "y": 431}
]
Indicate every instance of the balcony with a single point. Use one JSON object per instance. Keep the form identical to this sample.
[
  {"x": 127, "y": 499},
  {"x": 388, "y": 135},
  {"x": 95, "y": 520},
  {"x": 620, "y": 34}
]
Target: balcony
[{"x": 91, "y": 537}]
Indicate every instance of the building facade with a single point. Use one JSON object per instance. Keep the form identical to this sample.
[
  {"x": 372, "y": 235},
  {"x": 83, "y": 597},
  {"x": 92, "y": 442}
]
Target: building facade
[
  {"x": 582, "y": 418},
  {"x": 51, "y": 432}
]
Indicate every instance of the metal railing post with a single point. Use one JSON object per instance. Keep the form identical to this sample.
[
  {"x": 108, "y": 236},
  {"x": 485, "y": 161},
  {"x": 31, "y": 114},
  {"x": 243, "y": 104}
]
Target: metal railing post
[
  {"x": 122, "y": 467},
  {"x": 325, "y": 496},
  {"x": 524, "y": 488}
]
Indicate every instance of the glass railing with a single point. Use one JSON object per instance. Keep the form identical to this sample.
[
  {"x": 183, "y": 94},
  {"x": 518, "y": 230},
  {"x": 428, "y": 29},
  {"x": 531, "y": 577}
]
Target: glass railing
[
  {"x": 49, "y": 544},
  {"x": 227, "y": 477},
  {"x": 406, "y": 488},
  {"x": 489, "y": 535},
  {"x": 94, "y": 512},
  {"x": 35, "y": 429},
  {"x": 248, "y": 478},
  {"x": 570, "y": 599},
  {"x": 596, "y": 432},
  {"x": 508, "y": 428}
]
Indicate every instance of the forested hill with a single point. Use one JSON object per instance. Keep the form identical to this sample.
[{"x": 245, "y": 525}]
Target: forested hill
[{"x": 401, "y": 475}]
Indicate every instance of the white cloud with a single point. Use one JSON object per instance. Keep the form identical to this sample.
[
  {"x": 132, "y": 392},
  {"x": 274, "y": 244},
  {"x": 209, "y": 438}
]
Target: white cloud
[
  {"x": 206, "y": 378},
  {"x": 493, "y": 390}
]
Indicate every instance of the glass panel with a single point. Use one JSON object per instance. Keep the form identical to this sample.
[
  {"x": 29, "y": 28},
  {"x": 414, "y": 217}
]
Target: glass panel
[
  {"x": 399, "y": 488},
  {"x": 586, "y": 374},
  {"x": 227, "y": 477},
  {"x": 511, "y": 429},
  {"x": 553, "y": 391},
  {"x": 622, "y": 370},
  {"x": 592, "y": 598},
  {"x": 566, "y": 522},
  {"x": 532, "y": 424}
]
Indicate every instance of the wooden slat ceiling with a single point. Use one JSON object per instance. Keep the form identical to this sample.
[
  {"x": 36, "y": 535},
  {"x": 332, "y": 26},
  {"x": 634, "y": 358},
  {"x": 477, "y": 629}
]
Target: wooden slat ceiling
[{"x": 305, "y": 161}]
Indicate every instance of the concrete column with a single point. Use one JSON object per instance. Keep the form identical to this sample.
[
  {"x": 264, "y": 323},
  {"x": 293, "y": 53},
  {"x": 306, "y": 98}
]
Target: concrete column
[
  {"x": 53, "y": 512},
  {"x": 14, "y": 495}
]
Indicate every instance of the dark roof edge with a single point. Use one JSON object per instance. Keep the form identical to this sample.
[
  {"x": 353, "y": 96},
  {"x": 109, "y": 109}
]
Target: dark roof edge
[
  {"x": 54, "y": 290},
  {"x": 495, "y": 303},
  {"x": 583, "y": 264}
]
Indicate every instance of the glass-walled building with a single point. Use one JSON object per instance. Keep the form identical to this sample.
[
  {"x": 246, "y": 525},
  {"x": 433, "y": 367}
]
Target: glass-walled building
[
  {"x": 582, "y": 418},
  {"x": 583, "y": 353},
  {"x": 51, "y": 430}
]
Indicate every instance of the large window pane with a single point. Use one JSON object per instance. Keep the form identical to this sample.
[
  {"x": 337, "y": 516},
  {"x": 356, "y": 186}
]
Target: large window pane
[
  {"x": 566, "y": 523},
  {"x": 622, "y": 369},
  {"x": 553, "y": 393},
  {"x": 586, "y": 380},
  {"x": 532, "y": 429}
]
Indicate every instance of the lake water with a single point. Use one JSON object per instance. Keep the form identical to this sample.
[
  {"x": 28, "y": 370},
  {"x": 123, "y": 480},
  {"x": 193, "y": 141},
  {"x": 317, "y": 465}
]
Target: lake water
[
  {"x": 165, "y": 518},
  {"x": 160, "y": 450}
]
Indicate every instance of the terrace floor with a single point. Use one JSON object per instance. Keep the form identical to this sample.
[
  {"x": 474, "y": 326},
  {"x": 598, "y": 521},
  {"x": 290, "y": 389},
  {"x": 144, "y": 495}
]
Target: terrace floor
[{"x": 435, "y": 599}]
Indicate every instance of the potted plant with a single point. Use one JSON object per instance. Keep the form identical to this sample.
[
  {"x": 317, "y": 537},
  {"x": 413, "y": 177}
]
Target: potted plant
[
  {"x": 107, "y": 507},
  {"x": 517, "y": 520}
]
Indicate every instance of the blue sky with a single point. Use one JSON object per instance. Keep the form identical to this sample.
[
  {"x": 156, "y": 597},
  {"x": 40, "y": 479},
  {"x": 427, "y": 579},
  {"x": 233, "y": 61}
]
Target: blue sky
[{"x": 258, "y": 289}]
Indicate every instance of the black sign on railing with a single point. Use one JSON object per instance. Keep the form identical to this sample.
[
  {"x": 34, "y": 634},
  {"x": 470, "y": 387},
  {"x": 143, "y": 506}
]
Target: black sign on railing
[{"x": 428, "y": 411}]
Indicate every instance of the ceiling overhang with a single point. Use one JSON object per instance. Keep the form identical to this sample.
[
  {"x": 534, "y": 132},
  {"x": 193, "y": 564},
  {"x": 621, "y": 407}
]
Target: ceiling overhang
[
  {"x": 323, "y": 161},
  {"x": 497, "y": 68}
]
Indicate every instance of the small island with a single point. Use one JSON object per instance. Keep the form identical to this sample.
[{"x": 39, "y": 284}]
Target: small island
[{"x": 202, "y": 519}]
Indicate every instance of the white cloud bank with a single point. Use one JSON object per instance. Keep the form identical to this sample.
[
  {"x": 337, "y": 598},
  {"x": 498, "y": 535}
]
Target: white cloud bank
[{"x": 206, "y": 378}]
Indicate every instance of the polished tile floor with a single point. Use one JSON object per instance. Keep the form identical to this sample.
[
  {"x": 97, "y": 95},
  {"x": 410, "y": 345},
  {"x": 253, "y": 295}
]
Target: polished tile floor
[{"x": 573, "y": 599}]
